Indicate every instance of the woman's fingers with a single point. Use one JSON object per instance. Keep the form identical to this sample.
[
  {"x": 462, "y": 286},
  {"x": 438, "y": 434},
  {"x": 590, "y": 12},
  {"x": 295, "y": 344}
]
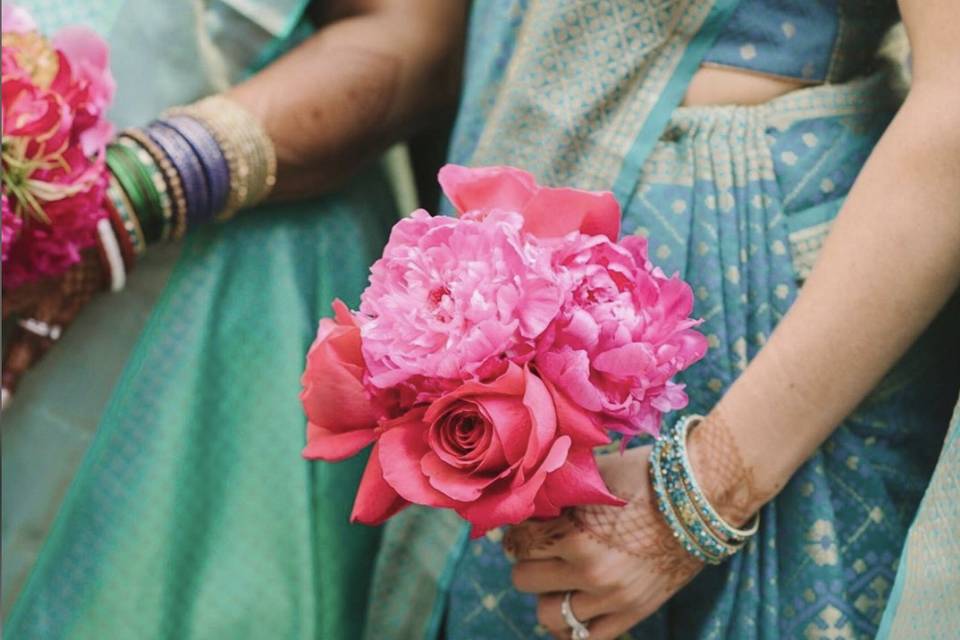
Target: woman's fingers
[
  {"x": 610, "y": 627},
  {"x": 539, "y": 540},
  {"x": 545, "y": 576},
  {"x": 586, "y": 607}
]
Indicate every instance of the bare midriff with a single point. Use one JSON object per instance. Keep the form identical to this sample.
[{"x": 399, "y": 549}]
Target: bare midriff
[{"x": 715, "y": 85}]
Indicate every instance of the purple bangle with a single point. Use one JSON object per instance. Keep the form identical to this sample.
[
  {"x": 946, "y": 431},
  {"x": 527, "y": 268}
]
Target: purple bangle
[
  {"x": 189, "y": 167},
  {"x": 210, "y": 154}
]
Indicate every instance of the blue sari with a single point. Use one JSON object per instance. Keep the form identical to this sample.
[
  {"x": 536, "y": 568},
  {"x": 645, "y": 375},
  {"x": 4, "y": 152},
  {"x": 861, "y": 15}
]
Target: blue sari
[{"x": 738, "y": 200}]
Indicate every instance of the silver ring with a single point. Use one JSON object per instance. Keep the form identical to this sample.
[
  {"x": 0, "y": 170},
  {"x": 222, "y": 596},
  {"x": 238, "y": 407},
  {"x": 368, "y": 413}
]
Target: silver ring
[{"x": 578, "y": 630}]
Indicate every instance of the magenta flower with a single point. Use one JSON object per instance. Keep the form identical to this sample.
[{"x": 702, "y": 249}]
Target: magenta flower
[
  {"x": 454, "y": 300},
  {"x": 624, "y": 331}
]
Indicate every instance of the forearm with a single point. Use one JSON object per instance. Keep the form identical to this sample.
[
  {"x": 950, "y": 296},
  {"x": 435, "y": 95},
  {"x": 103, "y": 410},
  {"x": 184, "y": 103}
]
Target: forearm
[
  {"x": 890, "y": 263},
  {"x": 361, "y": 83}
]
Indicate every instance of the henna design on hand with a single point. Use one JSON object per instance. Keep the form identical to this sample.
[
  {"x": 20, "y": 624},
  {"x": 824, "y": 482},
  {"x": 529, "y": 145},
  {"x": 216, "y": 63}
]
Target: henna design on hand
[
  {"x": 522, "y": 540},
  {"x": 639, "y": 530}
]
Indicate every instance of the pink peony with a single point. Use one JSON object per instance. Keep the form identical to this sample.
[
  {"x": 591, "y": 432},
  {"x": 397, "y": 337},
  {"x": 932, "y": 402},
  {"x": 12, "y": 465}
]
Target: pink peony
[
  {"x": 623, "y": 333},
  {"x": 497, "y": 452},
  {"x": 454, "y": 300}
]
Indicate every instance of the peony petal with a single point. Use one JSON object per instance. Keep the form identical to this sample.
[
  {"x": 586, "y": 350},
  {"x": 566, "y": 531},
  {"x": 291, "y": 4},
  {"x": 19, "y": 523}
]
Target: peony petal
[
  {"x": 323, "y": 444},
  {"x": 629, "y": 360},
  {"x": 402, "y": 447},
  {"x": 486, "y": 187},
  {"x": 579, "y": 482},
  {"x": 553, "y": 213},
  {"x": 376, "y": 500},
  {"x": 570, "y": 371}
]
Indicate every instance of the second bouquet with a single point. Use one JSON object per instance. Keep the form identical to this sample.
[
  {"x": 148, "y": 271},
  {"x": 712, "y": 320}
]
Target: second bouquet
[{"x": 494, "y": 351}]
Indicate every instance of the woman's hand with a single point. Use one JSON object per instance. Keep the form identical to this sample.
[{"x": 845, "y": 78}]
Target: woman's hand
[
  {"x": 44, "y": 310},
  {"x": 621, "y": 563}
]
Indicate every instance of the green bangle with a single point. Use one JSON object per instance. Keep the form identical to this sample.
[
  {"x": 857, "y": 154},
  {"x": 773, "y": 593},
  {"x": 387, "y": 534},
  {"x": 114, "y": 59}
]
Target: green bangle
[
  {"x": 136, "y": 182},
  {"x": 155, "y": 173},
  {"x": 131, "y": 224}
]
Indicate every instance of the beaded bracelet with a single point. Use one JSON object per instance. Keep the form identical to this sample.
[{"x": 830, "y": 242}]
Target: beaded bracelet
[
  {"x": 173, "y": 180},
  {"x": 723, "y": 530},
  {"x": 695, "y": 523},
  {"x": 666, "y": 507},
  {"x": 678, "y": 495}
]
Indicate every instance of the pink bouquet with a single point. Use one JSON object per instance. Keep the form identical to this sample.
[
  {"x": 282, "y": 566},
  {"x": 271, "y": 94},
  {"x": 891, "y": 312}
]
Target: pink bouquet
[
  {"x": 55, "y": 95},
  {"x": 492, "y": 353}
]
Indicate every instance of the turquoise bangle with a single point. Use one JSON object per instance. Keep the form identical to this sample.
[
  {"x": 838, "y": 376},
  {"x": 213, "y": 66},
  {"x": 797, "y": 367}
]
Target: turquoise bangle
[
  {"x": 666, "y": 507},
  {"x": 724, "y": 531},
  {"x": 678, "y": 493}
]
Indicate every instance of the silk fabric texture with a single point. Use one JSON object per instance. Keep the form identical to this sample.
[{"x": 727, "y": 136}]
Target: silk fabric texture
[
  {"x": 738, "y": 200},
  {"x": 192, "y": 514}
]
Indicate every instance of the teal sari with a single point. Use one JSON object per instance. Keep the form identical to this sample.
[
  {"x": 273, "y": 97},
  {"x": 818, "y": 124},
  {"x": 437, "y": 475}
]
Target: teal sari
[
  {"x": 191, "y": 514},
  {"x": 738, "y": 200}
]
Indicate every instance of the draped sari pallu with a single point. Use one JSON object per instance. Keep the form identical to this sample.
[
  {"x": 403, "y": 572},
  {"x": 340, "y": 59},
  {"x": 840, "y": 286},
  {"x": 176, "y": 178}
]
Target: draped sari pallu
[
  {"x": 192, "y": 514},
  {"x": 737, "y": 200}
]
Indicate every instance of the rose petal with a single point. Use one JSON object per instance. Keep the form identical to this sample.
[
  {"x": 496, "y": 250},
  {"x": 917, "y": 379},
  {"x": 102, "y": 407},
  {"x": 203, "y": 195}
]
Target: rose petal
[
  {"x": 486, "y": 187},
  {"x": 402, "y": 447},
  {"x": 323, "y": 444},
  {"x": 579, "y": 482},
  {"x": 575, "y": 422},
  {"x": 543, "y": 419},
  {"x": 376, "y": 500},
  {"x": 333, "y": 398},
  {"x": 454, "y": 483}
]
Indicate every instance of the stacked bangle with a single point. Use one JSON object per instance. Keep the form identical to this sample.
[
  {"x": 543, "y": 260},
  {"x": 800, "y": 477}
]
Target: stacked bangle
[
  {"x": 138, "y": 184},
  {"x": 172, "y": 179},
  {"x": 703, "y": 533},
  {"x": 120, "y": 204},
  {"x": 246, "y": 147},
  {"x": 197, "y": 163}
]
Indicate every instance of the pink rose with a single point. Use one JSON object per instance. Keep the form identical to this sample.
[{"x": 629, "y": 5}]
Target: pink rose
[
  {"x": 497, "y": 452},
  {"x": 623, "y": 333},
  {"x": 342, "y": 418},
  {"x": 39, "y": 116},
  {"x": 546, "y": 212},
  {"x": 453, "y": 300}
]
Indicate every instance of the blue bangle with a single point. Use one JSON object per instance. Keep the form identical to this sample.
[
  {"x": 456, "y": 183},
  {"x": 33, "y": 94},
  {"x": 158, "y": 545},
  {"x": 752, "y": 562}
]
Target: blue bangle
[
  {"x": 666, "y": 507},
  {"x": 678, "y": 495},
  {"x": 726, "y": 532},
  {"x": 189, "y": 167},
  {"x": 211, "y": 155}
]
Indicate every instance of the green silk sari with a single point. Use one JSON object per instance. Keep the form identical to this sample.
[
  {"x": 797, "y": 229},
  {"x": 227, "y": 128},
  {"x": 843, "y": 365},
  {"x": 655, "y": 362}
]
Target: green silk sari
[{"x": 191, "y": 514}]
